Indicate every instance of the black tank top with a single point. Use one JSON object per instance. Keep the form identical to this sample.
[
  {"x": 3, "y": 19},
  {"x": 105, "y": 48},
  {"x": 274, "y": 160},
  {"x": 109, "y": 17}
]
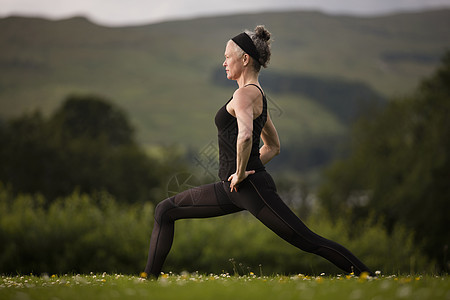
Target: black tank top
[{"x": 227, "y": 133}]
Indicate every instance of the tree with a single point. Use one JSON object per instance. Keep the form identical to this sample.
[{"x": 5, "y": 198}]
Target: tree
[
  {"x": 399, "y": 167},
  {"x": 87, "y": 144},
  {"x": 93, "y": 117}
]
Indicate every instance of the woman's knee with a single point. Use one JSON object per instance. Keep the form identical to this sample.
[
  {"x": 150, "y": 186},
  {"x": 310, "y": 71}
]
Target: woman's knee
[{"x": 162, "y": 210}]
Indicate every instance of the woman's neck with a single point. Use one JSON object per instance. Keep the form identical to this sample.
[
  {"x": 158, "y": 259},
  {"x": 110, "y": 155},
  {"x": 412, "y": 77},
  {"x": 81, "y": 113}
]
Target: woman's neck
[{"x": 247, "y": 77}]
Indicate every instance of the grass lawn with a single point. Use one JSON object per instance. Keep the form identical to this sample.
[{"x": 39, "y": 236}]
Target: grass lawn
[{"x": 224, "y": 286}]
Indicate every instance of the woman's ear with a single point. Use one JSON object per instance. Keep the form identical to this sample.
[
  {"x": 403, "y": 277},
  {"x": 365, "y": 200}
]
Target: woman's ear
[{"x": 245, "y": 59}]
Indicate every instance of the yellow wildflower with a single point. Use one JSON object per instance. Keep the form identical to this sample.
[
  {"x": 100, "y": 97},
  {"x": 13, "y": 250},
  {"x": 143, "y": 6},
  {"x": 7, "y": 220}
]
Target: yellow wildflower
[
  {"x": 143, "y": 275},
  {"x": 363, "y": 276},
  {"x": 405, "y": 280}
]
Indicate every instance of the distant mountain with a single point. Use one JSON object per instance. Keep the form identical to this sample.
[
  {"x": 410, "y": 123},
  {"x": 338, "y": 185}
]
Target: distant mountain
[{"x": 324, "y": 69}]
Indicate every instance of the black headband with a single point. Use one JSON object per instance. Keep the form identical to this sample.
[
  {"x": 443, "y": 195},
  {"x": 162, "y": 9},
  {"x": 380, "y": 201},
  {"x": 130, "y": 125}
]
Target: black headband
[{"x": 246, "y": 44}]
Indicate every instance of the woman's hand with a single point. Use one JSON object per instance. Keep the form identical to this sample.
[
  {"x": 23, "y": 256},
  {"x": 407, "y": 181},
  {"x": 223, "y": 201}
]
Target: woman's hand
[{"x": 235, "y": 179}]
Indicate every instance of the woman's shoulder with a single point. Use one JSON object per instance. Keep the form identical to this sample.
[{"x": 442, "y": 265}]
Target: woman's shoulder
[{"x": 247, "y": 94}]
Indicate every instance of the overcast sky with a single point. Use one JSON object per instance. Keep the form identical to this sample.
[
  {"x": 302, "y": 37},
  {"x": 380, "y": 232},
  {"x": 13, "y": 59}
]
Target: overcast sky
[{"x": 135, "y": 12}]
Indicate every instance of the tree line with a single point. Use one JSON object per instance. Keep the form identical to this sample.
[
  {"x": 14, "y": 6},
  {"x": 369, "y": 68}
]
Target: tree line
[
  {"x": 398, "y": 169},
  {"x": 87, "y": 144}
]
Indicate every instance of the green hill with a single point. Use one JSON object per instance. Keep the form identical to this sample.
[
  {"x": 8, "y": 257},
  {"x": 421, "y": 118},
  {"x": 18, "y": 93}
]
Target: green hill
[{"x": 167, "y": 76}]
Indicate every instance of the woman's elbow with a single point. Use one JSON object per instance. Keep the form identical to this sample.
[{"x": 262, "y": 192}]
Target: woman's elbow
[
  {"x": 277, "y": 150},
  {"x": 274, "y": 149},
  {"x": 245, "y": 136}
]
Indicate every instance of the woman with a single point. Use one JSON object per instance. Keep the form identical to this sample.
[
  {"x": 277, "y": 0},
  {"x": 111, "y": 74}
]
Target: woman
[{"x": 245, "y": 184}]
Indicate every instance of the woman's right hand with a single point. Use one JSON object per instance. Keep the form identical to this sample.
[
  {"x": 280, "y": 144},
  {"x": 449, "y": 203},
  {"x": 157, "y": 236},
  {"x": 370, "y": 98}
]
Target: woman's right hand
[{"x": 235, "y": 179}]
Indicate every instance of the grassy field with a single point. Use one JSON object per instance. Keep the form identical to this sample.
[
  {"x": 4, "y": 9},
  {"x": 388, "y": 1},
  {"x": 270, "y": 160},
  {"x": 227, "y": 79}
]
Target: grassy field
[{"x": 224, "y": 286}]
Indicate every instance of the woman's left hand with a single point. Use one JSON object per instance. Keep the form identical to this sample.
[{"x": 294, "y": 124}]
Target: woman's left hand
[{"x": 235, "y": 179}]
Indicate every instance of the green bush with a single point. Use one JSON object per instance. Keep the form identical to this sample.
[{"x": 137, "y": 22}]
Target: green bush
[{"x": 79, "y": 233}]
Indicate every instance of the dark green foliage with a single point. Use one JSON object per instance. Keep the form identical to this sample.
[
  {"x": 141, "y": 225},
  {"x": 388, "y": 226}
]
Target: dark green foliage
[
  {"x": 396, "y": 57},
  {"x": 93, "y": 118},
  {"x": 309, "y": 153},
  {"x": 87, "y": 144},
  {"x": 346, "y": 99},
  {"x": 78, "y": 234},
  {"x": 399, "y": 167}
]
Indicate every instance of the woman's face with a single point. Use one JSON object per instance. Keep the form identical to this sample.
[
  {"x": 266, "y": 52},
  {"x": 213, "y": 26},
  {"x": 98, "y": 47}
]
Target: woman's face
[{"x": 234, "y": 62}]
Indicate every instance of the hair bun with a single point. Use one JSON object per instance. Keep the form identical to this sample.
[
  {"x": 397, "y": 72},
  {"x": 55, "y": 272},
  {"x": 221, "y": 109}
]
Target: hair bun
[{"x": 262, "y": 33}]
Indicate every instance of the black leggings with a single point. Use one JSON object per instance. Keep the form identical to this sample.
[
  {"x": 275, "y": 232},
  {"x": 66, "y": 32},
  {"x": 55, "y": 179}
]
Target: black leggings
[{"x": 258, "y": 195}]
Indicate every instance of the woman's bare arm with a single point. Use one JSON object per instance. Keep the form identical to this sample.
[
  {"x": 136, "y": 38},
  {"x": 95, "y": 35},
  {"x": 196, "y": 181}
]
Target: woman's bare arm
[
  {"x": 271, "y": 146},
  {"x": 242, "y": 106}
]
